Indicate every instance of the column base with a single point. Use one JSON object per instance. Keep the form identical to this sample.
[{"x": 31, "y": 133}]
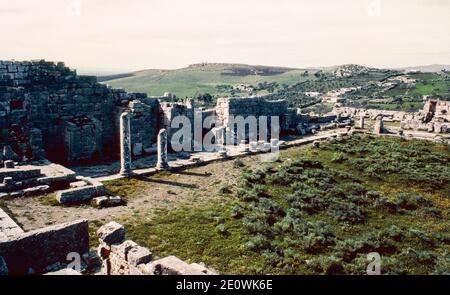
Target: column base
[
  {"x": 162, "y": 166},
  {"x": 126, "y": 173}
]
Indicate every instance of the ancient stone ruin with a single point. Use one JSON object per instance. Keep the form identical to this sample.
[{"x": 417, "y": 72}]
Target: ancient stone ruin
[{"x": 52, "y": 119}]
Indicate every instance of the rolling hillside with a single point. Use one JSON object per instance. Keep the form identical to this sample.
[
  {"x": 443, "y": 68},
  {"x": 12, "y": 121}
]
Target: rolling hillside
[{"x": 202, "y": 78}]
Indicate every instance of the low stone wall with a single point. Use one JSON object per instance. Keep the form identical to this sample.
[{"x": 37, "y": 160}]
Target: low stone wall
[
  {"x": 125, "y": 257},
  {"x": 33, "y": 251}
]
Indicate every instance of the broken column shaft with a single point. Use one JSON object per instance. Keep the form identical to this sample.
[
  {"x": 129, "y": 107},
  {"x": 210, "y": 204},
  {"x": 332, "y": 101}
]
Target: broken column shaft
[
  {"x": 125, "y": 145},
  {"x": 162, "y": 150}
]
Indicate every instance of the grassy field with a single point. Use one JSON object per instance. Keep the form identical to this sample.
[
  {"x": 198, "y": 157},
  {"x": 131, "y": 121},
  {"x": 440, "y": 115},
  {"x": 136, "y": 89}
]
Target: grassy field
[
  {"x": 319, "y": 211},
  {"x": 193, "y": 80},
  {"x": 428, "y": 84}
]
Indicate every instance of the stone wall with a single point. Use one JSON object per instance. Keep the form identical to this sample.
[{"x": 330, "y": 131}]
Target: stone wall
[
  {"x": 33, "y": 251},
  {"x": 434, "y": 117},
  {"x": 252, "y": 106},
  {"x": 74, "y": 115},
  {"x": 124, "y": 257}
]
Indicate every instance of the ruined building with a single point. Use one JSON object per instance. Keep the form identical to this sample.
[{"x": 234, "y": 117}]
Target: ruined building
[{"x": 48, "y": 111}]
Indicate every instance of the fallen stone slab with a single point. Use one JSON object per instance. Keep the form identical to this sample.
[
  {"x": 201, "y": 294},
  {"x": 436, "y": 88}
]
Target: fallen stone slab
[
  {"x": 76, "y": 184},
  {"x": 19, "y": 173},
  {"x": 105, "y": 201},
  {"x": 76, "y": 195}
]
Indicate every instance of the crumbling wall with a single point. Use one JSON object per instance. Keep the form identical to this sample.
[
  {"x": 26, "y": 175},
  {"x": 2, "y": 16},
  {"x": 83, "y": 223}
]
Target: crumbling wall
[
  {"x": 33, "y": 251},
  {"x": 124, "y": 257},
  {"x": 169, "y": 111},
  {"x": 50, "y": 99},
  {"x": 253, "y": 106}
]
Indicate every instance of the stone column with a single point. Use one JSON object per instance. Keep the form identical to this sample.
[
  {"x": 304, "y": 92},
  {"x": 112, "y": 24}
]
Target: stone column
[
  {"x": 125, "y": 145},
  {"x": 162, "y": 150},
  {"x": 361, "y": 120}
]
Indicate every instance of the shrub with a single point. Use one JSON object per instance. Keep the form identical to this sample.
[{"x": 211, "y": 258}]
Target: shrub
[
  {"x": 238, "y": 211},
  {"x": 221, "y": 229},
  {"x": 344, "y": 211},
  {"x": 411, "y": 202},
  {"x": 422, "y": 237},
  {"x": 329, "y": 265},
  {"x": 225, "y": 190},
  {"x": 339, "y": 158},
  {"x": 258, "y": 243},
  {"x": 237, "y": 163}
]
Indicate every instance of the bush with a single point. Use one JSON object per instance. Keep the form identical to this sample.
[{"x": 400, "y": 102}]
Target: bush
[
  {"x": 344, "y": 211},
  {"x": 258, "y": 243},
  {"x": 237, "y": 163},
  {"x": 411, "y": 202},
  {"x": 339, "y": 158},
  {"x": 329, "y": 265},
  {"x": 221, "y": 229}
]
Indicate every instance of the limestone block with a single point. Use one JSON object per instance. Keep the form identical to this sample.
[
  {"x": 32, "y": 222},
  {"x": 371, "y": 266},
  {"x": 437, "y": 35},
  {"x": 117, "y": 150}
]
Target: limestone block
[
  {"x": 139, "y": 255},
  {"x": 123, "y": 248},
  {"x": 100, "y": 202},
  {"x": 111, "y": 233},
  {"x": 76, "y": 195}
]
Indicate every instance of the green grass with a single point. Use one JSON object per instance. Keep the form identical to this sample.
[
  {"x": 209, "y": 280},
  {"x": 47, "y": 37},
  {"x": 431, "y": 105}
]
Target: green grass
[
  {"x": 191, "y": 81},
  {"x": 213, "y": 235}
]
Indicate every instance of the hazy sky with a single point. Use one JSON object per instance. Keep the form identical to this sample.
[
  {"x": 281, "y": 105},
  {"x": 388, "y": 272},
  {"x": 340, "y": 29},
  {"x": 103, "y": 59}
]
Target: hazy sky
[{"x": 122, "y": 35}]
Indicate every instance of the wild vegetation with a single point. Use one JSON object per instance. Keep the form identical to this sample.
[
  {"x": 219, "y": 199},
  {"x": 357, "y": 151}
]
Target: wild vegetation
[{"x": 321, "y": 211}]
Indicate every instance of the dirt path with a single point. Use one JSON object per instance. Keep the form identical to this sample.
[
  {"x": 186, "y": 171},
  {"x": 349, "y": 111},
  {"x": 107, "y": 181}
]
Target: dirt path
[{"x": 193, "y": 187}]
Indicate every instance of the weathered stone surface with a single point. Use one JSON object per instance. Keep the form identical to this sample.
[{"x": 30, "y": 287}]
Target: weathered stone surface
[
  {"x": 162, "y": 150},
  {"x": 39, "y": 248},
  {"x": 8, "y": 227},
  {"x": 111, "y": 233},
  {"x": 20, "y": 173},
  {"x": 46, "y": 92},
  {"x": 64, "y": 272},
  {"x": 139, "y": 255},
  {"x": 76, "y": 195},
  {"x": 100, "y": 202},
  {"x": 172, "y": 265},
  {"x": 125, "y": 144}
]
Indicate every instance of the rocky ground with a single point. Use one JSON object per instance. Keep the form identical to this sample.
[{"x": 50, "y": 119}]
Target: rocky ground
[{"x": 145, "y": 195}]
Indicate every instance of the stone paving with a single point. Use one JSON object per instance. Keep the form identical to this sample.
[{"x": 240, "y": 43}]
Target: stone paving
[{"x": 8, "y": 227}]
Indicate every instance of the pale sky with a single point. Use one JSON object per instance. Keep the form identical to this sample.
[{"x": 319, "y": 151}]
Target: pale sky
[{"x": 124, "y": 35}]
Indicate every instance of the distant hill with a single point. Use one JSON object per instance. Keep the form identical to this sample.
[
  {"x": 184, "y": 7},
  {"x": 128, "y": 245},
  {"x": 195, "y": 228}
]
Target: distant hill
[
  {"x": 213, "y": 78},
  {"x": 202, "y": 78},
  {"x": 427, "y": 68}
]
